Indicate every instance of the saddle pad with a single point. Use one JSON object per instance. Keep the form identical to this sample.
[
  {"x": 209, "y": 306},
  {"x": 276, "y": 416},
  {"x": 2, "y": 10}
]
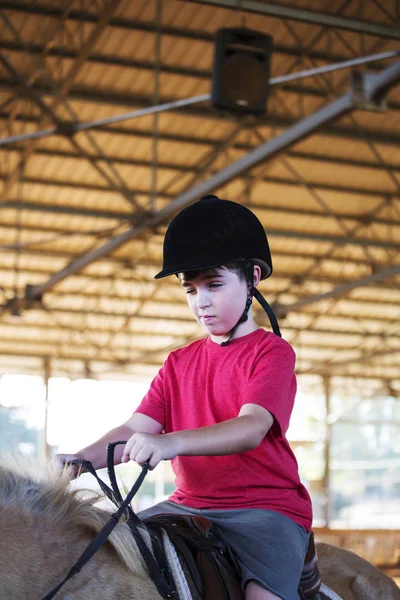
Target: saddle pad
[
  {"x": 182, "y": 586},
  {"x": 328, "y": 593}
]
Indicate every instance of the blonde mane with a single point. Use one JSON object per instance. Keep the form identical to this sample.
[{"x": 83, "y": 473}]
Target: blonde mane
[{"x": 41, "y": 491}]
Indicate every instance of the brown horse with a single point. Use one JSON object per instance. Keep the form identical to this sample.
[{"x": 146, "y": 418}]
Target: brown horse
[{"x": 45, "y": 526}]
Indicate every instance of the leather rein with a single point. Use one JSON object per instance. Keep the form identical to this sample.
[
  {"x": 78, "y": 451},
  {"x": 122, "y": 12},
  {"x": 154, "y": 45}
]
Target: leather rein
[{"x": 158, "y": 569}]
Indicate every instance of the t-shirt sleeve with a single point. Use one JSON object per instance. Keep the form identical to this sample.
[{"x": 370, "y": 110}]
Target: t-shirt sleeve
[
  {"x": 273, "y": 382},
  {"x": 153, "y": 404}
]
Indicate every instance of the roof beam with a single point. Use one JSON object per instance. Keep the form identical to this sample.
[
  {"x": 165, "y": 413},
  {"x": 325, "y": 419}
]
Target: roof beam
[
  {"x": 374, "y": 193},
  {"x": 321, "y": 19},
  {"x": 362, "y": 322},
  {"x": 286, "y": 233},
  {"x": 363, "y": 357},
  {"x": 86, "y": 47},
  {"x": 264, "y": 8},
  {"x": 153, "y": 265},
  {"x": 121, "y": 347},
  {"x": 276, "y": 120},
  {"x": 103, "y": 291},
  {"x": 56, "y": 209},
  {"x": 373, "y": 85},
  {"x": 101, "y": 96},
  {"x": 146, "y": 332},
  {"x": 22, "y": 353},
  {"x": 340, "y": 291},
  {"x": 307, "y": 156},
  {"x": 205, "y": 74},
  {"x": 27, "y": 90}
]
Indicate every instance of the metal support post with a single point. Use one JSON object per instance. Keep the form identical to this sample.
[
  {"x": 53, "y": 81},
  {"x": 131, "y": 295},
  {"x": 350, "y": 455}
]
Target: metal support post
[
  {"x": 327, "y": 482},
  {"x": 47, "y": 374}
]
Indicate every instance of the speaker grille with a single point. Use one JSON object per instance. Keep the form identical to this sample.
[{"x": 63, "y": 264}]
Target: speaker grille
[{"x": 241, "y": 71}]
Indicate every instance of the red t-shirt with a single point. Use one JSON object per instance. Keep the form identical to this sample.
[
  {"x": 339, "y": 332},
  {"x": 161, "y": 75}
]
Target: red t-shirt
[{"x": 205, "y": 383}]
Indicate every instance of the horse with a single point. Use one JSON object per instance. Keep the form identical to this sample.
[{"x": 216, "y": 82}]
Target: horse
[{"x": 46, "y": 525}]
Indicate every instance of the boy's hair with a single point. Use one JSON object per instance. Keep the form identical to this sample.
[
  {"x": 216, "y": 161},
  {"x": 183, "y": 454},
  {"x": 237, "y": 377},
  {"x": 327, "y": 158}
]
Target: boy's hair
[{"x": 242, "y": 268}]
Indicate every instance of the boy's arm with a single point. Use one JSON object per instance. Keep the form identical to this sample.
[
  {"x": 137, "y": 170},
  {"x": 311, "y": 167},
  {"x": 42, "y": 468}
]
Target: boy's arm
[
  {"x": 96, "y": 453},
  {"x": 242, "y": 433}
]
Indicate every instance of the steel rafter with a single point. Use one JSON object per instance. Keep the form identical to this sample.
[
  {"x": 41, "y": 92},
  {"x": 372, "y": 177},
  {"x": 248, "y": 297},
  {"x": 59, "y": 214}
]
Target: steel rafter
[
  {"x": 311, "y": 44},
  {"x": 300, "y": 290},
  {"x": 41, "y": 354},
  {"x": 97, "y": 30},
  {"x": 340, "y": 290},
  {"x": 107, "y": 60},
  {"x": 306, "y": 156},
  {"x": 208, "y": 142},
  {"x": 368, "y": 141},
  {"x": 73, "y": 350},
  {"x": 207, "y": 161},
  {"x": 61, "y": 126},
  {"x": 351, "y": 231},
  {"x": 205, "y": 74},
  {"x": 124, "y": 263},
  {"x": 71, "y": 327},
  {"x": 313, "y": 191},
  {"x": 268, "y": 9},
  {"x": 373, "y": 84},
  {"x": 272, "y": 119},
  {"x": 282, "y": 11},
  {"x": 283, "y": 233},
  {"x": 163, "y": 195}
]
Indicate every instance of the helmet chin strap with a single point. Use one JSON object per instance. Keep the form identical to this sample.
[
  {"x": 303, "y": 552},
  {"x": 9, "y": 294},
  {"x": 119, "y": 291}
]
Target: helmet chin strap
[
  {"x": 271, "y": 315},
  {"x": 243, "y": 318}
]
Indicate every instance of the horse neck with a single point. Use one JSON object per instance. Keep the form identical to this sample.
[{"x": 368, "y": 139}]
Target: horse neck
[{"x": 35, "y": 557}]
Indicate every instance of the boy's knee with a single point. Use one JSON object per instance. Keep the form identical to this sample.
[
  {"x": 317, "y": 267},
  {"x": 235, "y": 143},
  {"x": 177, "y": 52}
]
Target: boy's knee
[{"x": 254, "y": 591}]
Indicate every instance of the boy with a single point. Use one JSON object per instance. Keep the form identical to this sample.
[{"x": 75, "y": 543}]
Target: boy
[{"x": 220, "y": 407}]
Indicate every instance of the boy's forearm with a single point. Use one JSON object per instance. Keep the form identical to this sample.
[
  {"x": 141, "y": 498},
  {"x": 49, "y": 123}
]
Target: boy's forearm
[
  {"x": 230, "y": 437},
  {"x": 96, "y": 453}
]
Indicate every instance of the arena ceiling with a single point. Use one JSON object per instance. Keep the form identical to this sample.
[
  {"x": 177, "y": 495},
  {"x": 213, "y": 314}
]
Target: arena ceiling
[{"x": 83, "y": 211}]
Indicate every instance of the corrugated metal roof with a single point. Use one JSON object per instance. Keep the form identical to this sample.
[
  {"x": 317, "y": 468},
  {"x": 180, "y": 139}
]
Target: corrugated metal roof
[{"x": 330, "y": 203}]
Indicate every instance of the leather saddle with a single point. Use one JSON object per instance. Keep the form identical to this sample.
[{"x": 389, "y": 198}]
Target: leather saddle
[
  {"x": 310, "y": 580},
  {"x": 207, "y": 563}
]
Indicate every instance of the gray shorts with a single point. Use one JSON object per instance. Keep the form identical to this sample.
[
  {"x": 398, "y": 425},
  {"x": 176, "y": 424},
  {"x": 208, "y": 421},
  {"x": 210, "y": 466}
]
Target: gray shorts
[{"x": 269, "y": 547}]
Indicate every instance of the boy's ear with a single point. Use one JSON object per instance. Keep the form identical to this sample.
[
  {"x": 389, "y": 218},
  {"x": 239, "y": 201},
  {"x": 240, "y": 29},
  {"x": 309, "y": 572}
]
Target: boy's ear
[{"x": 256, "y": 275}]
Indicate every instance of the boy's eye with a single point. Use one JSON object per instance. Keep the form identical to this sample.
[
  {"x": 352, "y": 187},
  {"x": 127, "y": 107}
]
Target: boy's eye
[
  {"x": 215, "y": 284},
  {"x": 189, "y": 290}
]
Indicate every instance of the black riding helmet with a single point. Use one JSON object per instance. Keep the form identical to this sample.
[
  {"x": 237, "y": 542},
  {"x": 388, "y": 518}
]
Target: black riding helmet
[{"x": 213, "y": 232}]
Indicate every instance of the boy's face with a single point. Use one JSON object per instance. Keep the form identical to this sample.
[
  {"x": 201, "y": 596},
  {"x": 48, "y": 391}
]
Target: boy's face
[{"x": 217, "y": 298}]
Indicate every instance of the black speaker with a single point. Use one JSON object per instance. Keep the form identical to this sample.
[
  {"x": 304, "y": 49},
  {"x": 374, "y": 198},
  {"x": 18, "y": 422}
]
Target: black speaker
[{"x": 241, "y": 71}]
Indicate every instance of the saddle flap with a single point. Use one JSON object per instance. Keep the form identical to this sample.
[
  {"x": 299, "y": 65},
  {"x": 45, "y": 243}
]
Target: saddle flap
[{"x": 204, "y": 557}]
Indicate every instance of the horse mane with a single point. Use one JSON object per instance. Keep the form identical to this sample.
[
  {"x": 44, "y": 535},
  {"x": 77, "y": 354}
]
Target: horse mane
[{"x": 39, "y": 490}]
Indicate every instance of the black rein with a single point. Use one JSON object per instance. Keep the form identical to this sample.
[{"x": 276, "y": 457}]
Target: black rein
[{"x": 155, "y": 572}]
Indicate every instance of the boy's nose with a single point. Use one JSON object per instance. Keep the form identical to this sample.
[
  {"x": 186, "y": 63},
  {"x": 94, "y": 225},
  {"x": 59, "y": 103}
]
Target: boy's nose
[{"x": 203, "y": 300}]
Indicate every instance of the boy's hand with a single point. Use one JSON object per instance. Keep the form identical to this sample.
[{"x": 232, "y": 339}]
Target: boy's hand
[
  {"x": 154, "y": 448},
  {"x": 60, "y": 462}
]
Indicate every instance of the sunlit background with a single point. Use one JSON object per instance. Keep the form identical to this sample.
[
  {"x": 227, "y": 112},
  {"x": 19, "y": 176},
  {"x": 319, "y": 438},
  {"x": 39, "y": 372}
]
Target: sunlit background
[
  {"x": 345, "y": 434},
  {"x": 350, "y": 461}
]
